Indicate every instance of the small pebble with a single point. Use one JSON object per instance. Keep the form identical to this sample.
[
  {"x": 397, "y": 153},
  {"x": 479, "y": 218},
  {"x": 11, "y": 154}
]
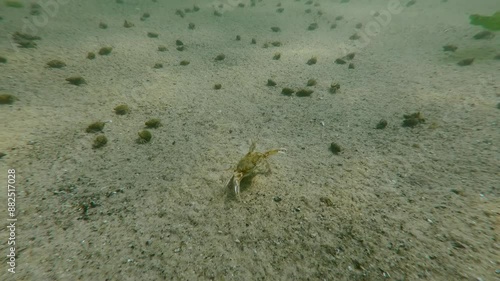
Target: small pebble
[
  {"x": 76, "y": 80},
  {"x": 312, "y": 26},
  {"x": 466, "y": 62},
  {"x": 104, "y": 51},
  {"x": 483, "y": 35},
  {"x": 152, "y": 35},
  {"x": 449, "y": 48},
  {"x": 350, "y": 56},
  {"x": 304, "y": 93},
  {"x": 287, "y": 91},
  {"x": 311, "y": 82},
  {"x": 99, "y": 142},
  {"x": 220, "y": 57},
  {"x": 381, "y": 124},
  {"x": 355, "y": 36},
  {"x": 335, "y": 148},
  {"x": 6, "y": 98},
  {"x": 180, "y": 13},
  {"x": 127, "y": 24},
  {"x": 411, "y": 3},
  {"x": 340, "y": 61},
  {"x": 312, "y": 61}
]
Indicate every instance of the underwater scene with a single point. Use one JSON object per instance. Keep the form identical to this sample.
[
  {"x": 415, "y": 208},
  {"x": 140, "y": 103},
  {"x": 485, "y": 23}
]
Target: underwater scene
[{"x": 250, "y": 140}]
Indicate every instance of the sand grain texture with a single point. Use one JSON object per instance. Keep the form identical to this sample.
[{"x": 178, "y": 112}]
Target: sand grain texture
[{"x": 400, "y": 203}]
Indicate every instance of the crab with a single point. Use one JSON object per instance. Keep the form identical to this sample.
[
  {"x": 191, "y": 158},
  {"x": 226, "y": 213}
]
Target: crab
[{"x": 251, "y": 164}]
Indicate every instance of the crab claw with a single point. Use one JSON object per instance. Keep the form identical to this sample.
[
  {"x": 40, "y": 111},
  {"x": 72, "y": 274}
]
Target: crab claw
[
  {"x": 236, "y": 187},
  {"x": 234, "y": 182}
]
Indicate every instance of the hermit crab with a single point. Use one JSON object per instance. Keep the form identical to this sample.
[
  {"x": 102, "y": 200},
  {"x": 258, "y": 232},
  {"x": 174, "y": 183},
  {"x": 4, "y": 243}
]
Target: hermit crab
[{"x": 251, "y": 164}]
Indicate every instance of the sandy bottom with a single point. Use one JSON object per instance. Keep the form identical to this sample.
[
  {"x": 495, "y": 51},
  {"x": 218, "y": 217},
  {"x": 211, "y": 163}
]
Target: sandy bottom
[{"x": 400, "y": 203}]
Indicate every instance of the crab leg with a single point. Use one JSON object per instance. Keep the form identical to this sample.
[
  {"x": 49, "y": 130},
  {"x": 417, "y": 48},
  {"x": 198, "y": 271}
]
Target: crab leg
[
  {"x": 274, "y": 151},
  {"x": 229, "y": 181}
]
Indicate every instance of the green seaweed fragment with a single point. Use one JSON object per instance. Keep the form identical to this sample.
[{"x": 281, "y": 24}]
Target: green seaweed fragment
[
  {"x": 14, "y": 4},
  {"x": 490, "y": 23}
]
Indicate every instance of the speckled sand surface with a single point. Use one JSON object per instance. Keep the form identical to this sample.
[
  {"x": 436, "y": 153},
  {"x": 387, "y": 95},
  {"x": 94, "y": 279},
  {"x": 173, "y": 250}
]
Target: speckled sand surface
[{"x": 400, "y": 203}]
